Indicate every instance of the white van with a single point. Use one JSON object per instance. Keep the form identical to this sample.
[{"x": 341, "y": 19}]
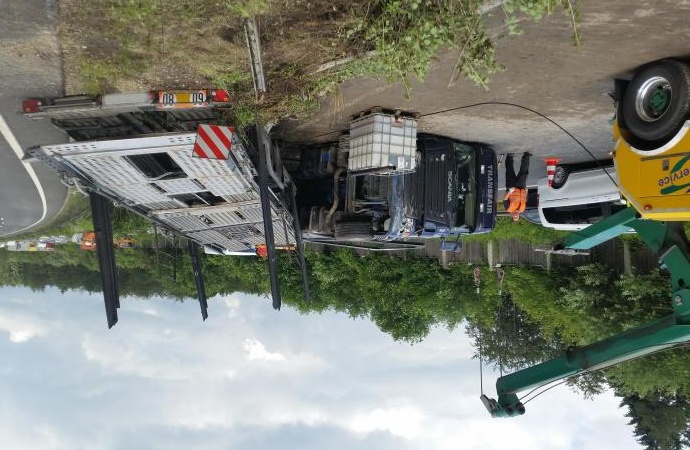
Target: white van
[{"x": 579, "y": 198}]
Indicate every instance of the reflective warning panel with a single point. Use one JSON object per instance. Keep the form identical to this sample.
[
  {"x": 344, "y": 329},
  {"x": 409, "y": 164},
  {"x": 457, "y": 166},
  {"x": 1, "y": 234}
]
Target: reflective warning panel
[{"x": 213, "y": 141}]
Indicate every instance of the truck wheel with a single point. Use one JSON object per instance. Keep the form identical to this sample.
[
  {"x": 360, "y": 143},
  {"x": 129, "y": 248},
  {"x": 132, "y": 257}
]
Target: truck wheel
[
  {"x": 657, "y": 101},
  {"x": 560, "y": 176},
  {"x": 353, "y": 231}
]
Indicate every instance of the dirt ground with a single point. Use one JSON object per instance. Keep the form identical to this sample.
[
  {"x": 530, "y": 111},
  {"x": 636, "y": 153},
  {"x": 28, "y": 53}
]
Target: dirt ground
[{"x": 133, "y": 45}]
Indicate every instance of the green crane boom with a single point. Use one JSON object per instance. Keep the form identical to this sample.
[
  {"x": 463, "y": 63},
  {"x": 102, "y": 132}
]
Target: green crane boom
[{"x": 670, "y": 243}]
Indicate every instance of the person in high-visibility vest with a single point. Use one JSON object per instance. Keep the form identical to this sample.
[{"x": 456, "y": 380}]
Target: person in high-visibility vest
[{"x": 515, "y": 199}]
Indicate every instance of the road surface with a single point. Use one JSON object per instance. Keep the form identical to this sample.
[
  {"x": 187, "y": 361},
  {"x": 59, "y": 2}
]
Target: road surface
[
  {"x": 544, "y": 71},
  {"x": 29, "y": 66}
]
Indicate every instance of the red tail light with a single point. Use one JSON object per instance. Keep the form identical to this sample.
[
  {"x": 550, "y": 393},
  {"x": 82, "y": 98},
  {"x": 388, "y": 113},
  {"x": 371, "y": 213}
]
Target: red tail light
[
  {"x": 220, "y": 96},
  {"x": 31, "y": 105}
]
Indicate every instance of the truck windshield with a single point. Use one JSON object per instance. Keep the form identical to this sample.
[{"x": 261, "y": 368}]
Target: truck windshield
[{"x": 466, "y": 185}]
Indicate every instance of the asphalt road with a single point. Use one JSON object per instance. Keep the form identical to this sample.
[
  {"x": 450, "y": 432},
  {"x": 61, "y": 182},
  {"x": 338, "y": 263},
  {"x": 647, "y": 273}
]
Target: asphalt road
[
  {"x": 29, "y": 67},
  {"x": 544, "y": 71}
]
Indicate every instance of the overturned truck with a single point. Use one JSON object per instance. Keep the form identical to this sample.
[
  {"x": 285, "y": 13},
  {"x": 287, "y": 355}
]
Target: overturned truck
[
  {"x": 242, "y": 192},
  {"x": 381, "y": 182}
]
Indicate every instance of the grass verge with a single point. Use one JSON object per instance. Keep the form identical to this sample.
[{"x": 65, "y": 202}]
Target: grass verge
[
  {"x": 522, "y": 231},
  {"x": 133, "y": 45}
]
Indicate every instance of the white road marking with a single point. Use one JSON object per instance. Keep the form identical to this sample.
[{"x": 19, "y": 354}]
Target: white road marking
[{"x": 12, "y": 141}]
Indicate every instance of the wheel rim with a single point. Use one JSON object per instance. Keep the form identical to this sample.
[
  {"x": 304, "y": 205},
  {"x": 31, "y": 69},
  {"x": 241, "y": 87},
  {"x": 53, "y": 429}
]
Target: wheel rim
[{"x": 653, "y": 99}]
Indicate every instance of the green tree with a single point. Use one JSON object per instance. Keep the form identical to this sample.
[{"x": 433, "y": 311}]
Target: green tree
[
  {"x": 510, "y": 340},
  {"x": 660, "y": 421}
]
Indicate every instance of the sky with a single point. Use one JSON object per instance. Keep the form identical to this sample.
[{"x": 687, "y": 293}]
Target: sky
[{"x": 253, "y": 378}]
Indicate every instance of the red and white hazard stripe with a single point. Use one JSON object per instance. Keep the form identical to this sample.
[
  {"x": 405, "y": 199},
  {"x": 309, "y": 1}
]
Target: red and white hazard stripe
[
  {"x": 551, "y": 169},
  {"x": 213, "y": 142}
]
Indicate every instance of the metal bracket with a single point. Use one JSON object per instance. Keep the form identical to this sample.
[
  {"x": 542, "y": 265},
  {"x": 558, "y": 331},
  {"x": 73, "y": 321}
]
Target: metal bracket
[{"x": 251, "y": 32}]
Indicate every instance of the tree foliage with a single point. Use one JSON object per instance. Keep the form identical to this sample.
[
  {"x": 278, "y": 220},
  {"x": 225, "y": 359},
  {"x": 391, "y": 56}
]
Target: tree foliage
[
  {"x": 660, "y": 421},
  {"x": 511, "y": 341},
  {"x": 528, "y": 317}
]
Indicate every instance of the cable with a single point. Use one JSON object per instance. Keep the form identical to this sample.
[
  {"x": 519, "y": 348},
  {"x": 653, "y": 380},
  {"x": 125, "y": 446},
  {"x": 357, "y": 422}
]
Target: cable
[
  {"x": 536, "y": 388},
  {"x": 481, "y": 374},
  {"x": 547, "y": 389},
  {"x": 515, "y": 105},
  {"x": 520, "y": 400},
  {"x": 328, "y": 133},
  {"x": 500, "y": 356},
  {"x": 537, "y": 113},
  {"x": 475, "y": 275}
]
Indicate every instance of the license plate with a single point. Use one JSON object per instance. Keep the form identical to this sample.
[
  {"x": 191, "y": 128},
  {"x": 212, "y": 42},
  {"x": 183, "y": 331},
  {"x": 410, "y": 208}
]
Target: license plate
[{"x": 182, "y": 99}]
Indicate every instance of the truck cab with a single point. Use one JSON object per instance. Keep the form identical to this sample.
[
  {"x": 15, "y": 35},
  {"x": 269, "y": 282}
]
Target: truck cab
[{"x": 455, "y": 186}]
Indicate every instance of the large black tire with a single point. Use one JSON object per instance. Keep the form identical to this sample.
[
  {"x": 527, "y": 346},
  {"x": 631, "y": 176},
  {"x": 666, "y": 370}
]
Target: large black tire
[
  {"x": 657, "y": 101},
  {"x": 560, "y": 176},
  {"x": 354, "y": 231}
]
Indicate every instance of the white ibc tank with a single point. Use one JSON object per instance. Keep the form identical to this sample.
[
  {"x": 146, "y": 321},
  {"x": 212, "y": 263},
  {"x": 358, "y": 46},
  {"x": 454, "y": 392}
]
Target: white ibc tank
[{"x": 382, "y": 143}]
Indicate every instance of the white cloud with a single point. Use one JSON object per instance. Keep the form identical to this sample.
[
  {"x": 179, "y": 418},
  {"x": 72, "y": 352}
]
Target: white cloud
[
  {"x": 258, "y": 372},
  {"x": 20, "y": 327},
  {"x": 150, "y": 312},
  {"x": 402, "y": 421},
  {"x": 264, "y": 363},
  {"x": 255, "y": 350},
  {"x": 233, "y": 305},
  {"x": 20, "y": 437},
  {"x": 155, "y": 356}
]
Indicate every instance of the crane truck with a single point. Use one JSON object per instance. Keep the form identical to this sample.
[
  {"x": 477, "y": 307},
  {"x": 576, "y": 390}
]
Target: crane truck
[{"x": 652, "y": 159}]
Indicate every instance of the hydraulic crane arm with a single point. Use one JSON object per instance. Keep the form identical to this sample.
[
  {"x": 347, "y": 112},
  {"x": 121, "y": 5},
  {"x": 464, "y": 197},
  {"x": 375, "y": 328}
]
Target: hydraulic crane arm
[{"x": 668, "y": 240}]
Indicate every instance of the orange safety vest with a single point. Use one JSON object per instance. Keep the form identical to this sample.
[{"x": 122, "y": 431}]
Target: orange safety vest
[
  {"x": 517, "y": 198},
  {"x": 261, "y": 251}
]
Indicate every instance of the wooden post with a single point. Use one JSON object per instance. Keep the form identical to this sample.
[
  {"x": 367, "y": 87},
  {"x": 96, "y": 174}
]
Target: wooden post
[
  {"x": 548, "y": 261},
  {"x": 627, "y": 260}
]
